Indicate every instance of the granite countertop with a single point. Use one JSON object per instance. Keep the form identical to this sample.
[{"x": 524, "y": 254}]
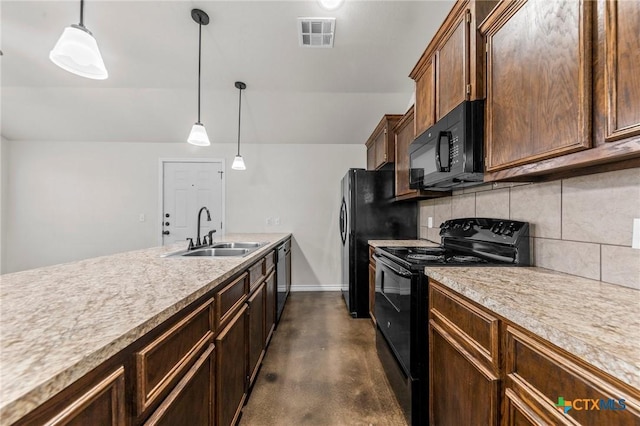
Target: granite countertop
[
  {"x": 57, "y": 323},
  {"x": 596, "y": 321},
  {"x": 402, "y": 243}
]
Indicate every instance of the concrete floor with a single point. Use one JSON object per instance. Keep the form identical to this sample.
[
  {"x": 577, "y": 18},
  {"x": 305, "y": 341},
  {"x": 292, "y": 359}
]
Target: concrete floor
[{"x": 321, "y": 368}]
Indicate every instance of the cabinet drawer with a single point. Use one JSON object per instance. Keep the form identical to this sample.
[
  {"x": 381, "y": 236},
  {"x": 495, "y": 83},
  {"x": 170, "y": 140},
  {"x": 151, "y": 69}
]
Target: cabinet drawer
[
  {"x": 256, "y": 274},
  {"x": 103, "y": 404},
  {"x": 269, "y": 262},
  {"x": 230, "y": 297},
  {"x": 163, "y": 361},
  {"x": 540, "y": 373},
  {"x": 476, "y": 327}
]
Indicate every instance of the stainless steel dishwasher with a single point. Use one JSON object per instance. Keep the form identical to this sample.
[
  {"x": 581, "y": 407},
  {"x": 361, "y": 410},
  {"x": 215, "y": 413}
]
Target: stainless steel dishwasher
[{"x": 283, "y": 275}]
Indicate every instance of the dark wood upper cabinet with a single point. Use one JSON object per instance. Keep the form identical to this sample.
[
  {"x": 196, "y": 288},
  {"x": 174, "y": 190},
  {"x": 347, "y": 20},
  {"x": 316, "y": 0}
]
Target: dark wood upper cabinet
[
  {"x": 563, "y": 93},
  {"x": 622, "y": 58},
  {"x": 451, "y": 69},
  {"x": 425, "y": 106},
  {"x": 452, "y": 62},
  {"x": 538, "y": 81},
  {"x": 381, "y": 143},
  {"x": 403, "y": 133}
]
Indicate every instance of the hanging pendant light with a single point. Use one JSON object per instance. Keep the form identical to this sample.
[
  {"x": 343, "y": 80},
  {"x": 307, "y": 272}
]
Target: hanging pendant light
[
  {"x": 198, "y": 135},
  {"x": 77, "y": 51},
  {"x": 238, "y": 162}
]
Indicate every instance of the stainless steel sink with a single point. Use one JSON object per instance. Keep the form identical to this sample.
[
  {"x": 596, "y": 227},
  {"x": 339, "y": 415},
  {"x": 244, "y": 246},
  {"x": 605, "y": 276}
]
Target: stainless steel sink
[
  {"x": 231, "y": 249},
  {"x": 216, "y": 252},
  {"x": 236, "y": 245}
]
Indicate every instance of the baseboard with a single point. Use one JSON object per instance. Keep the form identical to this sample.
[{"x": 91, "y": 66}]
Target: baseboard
[{"x": 334, "y": 287}]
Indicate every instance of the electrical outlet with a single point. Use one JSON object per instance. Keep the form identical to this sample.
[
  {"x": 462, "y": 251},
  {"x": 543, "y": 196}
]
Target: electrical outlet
[
  {"x": 268, "y": 221},
  {"x": 429, "y": 222},
  {"x": 635, "y": 241},
  {"x": 276, "y": 221},
  {"x": 141, "y": 217}
]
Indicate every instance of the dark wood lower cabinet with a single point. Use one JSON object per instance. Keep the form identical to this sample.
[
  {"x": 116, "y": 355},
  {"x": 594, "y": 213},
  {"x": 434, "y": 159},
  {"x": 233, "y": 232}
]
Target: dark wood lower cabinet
[
  {"x": 191, "y": 402},
  {"x": 231, "y": 365},
  {"x": 270, "y": 307},
  {"x": 463, "y": 391},
  {"x": 485, "y": 370},
  {"x": 256, "y": 304},
  {"x": 103, "y": 404}
]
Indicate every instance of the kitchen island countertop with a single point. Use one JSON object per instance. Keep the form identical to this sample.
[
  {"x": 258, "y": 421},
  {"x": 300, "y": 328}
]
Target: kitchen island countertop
[
  {"x": 59, "y": 322},
  {"x": 596, "y": 321}
]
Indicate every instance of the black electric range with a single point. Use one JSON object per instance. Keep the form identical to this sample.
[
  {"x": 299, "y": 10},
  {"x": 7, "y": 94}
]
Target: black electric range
[{"x": 401, "y": 300}]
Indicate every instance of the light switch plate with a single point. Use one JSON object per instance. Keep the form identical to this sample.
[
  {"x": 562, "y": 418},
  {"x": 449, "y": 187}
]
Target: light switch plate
[
  {"x": 429, "y": 222},
  {"x": 635, "y": 241}
]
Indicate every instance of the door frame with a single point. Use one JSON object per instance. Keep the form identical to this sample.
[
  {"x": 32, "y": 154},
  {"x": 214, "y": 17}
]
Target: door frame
[{"x": 161, "y": 162}]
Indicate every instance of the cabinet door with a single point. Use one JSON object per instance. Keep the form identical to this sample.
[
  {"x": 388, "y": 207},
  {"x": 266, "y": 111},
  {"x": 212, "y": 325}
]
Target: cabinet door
[
  {"x": 540, "y": 376},
  {"x": 103, "y": 404},
  {"x": 425, "y": 107},
  {"x": 382, "y": 149},
  {"x": 191, "y": 401},
  {"x": 256, "y": 330},
  {"x": 622, "y": 56},
  {"x": 231, "y": 369},
  {"x": 371, "y": 157},
  {"x": 538, "y": 81},
  {"x": 452, "y": 62},
  {"x": 270, "y": 306},
  {"x": 462, "y": 391},
  {"x": 403, "y": 138}
]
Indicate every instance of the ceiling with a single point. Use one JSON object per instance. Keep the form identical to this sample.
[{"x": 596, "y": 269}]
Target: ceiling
[{"x": 150, "y": 48}]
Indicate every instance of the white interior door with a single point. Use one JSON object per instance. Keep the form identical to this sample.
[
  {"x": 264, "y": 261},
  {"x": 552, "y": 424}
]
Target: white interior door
[{"x": 187, "y": 187}]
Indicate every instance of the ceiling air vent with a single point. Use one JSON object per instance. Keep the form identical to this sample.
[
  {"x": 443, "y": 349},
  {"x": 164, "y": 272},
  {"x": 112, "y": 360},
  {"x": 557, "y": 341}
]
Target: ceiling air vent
[{"x": 316, "y": 32}]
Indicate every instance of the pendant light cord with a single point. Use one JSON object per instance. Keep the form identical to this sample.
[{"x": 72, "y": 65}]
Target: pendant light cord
[
  {"x": 239, "y": 113},
  {"x": 82, "y": 13},
  {"x": 199, "y": 64}
]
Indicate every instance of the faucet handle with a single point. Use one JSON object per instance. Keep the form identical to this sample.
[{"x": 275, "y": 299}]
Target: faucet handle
[
  {"x": 210, "y": 233},
  {"x": 190, "y": 243},
  {"x": 204, "y": 241}
]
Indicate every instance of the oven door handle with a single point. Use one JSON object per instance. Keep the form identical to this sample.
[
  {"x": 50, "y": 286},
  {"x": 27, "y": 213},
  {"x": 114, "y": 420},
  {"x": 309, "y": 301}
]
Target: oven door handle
[{"x": 395, "y": 268}]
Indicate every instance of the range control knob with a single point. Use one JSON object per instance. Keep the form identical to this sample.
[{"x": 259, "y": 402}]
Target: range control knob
[{"x": 466, "y": 226}]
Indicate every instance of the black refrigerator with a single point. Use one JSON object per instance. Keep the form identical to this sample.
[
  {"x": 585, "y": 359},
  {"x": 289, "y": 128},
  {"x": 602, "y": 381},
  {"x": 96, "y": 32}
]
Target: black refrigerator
[{"x": 368, "y": 212}]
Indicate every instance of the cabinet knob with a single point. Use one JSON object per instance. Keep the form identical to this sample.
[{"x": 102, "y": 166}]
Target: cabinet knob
[
  {"x": 165, "y": 232},
  {"x": 166, "y": 215}
]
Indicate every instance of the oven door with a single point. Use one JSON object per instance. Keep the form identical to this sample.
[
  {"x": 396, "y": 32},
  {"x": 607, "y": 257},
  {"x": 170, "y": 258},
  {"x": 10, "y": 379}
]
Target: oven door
[{"x": 393, "y": 308}]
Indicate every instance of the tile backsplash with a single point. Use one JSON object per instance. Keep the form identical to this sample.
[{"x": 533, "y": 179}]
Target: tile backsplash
[{"x": 581, "y": 226}]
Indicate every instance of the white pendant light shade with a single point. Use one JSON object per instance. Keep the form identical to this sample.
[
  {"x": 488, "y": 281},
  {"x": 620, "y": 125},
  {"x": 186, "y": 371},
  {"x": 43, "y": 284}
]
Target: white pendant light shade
[
  {"x": 198, "y": 135},
  {"x": 238, "y": 163},
  {"x": 77, "y": 52}
]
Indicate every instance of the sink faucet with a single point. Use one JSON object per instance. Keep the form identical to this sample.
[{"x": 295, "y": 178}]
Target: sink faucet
[{"x": 208, "y": 220}]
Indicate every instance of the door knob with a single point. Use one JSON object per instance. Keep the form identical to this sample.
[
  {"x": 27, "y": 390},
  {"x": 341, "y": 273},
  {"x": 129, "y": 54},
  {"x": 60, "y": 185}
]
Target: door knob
[{"x": 165, "y": 232}]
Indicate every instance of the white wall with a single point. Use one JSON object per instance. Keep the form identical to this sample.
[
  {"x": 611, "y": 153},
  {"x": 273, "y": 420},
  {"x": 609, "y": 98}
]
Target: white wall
[
  {"x": 4, "y": 149},
  {"x": 69, "y": 201}
]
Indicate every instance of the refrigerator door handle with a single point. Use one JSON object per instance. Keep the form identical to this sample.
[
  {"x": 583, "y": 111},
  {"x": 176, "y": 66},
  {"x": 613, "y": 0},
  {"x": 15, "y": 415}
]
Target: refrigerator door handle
[{"x": 343, "y": 221}]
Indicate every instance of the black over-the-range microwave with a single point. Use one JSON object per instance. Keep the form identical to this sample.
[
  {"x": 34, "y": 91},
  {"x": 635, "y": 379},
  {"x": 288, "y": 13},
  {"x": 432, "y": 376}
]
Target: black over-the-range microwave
[{"x": 450, "y": 153}]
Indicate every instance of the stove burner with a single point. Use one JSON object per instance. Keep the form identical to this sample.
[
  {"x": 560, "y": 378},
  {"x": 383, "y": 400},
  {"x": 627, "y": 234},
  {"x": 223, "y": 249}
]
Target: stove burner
[{"x": 423, "y": 257}]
